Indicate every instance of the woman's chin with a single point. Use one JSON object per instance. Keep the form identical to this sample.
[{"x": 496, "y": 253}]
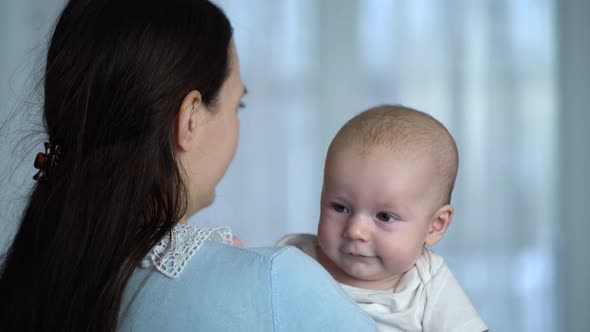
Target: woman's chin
[{"x": 204, "y": 201}]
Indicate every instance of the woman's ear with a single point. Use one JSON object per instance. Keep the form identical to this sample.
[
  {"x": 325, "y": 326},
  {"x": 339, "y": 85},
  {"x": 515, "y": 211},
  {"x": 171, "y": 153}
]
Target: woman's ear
[
  {"x": 187, "y": 119},
  {"x": 439, "y": 224}
]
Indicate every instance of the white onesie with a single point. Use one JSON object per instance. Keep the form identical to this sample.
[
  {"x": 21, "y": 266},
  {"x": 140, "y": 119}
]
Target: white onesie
[{"x": 427, "y": 298}]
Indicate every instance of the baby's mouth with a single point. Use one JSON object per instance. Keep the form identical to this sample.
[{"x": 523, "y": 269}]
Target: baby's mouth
[{"x": 356, "y": 254}]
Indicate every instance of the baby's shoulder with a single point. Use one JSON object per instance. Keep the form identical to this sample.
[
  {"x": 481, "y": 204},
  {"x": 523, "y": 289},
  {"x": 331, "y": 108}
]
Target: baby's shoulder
[
  {"x": 297, "y": 240},
  {"x": 430, "y": 266},
  {"x": 302, "y": 241}
]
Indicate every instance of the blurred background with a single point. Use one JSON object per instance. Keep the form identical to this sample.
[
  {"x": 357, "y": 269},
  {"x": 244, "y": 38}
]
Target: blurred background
[{"x": 509, "y": 79}]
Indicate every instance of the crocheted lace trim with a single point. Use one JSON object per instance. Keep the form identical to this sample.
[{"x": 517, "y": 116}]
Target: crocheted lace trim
[{"x": 172, "y": 253}]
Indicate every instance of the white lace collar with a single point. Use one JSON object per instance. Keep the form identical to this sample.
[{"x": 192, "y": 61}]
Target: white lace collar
[{"x": 172, "y": 253}]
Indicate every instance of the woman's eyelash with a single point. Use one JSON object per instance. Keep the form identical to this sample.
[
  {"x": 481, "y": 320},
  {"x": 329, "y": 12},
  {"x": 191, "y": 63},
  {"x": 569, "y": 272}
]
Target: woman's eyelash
[{"x": 241, "y": 104}]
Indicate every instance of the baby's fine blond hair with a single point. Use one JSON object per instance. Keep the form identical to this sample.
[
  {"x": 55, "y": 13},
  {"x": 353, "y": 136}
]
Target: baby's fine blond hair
[{"x": 405, "y": 131}]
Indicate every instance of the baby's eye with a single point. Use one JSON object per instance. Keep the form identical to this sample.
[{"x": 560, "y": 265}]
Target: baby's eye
[
  {"x": 340, "y": 208},
  {"x": 387, "y": 217}
]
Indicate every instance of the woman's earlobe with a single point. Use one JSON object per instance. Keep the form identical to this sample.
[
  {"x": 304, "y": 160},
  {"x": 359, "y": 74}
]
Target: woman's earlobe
[{"x": 186, "y": 119}]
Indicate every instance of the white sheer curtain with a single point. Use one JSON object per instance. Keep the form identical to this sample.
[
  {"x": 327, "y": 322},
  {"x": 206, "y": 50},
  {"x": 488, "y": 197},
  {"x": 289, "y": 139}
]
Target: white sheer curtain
[
  {"x": 486, "y": 68},
  {"x": 25, "y": 26}
]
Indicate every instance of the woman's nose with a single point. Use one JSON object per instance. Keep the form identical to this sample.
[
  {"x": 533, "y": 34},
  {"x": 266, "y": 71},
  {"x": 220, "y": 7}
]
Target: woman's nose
[{"x": 356, "y": 229}]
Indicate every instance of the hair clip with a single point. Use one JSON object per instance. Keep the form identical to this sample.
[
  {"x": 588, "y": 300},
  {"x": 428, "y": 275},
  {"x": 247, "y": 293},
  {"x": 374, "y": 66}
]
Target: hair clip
[{"x": 44, "y": 162}]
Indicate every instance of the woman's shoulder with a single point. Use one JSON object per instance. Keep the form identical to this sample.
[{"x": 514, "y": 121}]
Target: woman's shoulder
[
  {"x": 227, "y": 288},
  {"x": 210, "y": 245}
]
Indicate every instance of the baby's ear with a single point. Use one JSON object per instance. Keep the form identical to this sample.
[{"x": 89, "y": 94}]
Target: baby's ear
[{"x": 439, "y": 224}]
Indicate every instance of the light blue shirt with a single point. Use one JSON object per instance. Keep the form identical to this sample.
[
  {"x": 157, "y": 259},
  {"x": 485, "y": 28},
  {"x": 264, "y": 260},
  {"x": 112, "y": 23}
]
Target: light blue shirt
[{"x": 225, "y": 288}]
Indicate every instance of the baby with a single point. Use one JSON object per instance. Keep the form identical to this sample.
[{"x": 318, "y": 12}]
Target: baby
[{"x": 388, "y": 179}]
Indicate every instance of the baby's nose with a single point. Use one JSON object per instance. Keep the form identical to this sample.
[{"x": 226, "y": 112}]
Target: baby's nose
[{"x": 356, "y": 228}]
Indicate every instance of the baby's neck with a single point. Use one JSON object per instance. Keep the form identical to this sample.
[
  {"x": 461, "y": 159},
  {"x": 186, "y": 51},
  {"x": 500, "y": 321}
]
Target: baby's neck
[{"x": 347, "y": 279}]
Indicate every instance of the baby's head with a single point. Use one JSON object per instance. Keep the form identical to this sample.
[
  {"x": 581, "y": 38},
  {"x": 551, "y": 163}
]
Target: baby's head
[{"x": 388, "y": 180}]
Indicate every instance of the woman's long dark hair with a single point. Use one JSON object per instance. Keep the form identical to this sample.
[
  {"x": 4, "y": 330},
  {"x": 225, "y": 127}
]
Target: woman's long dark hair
[{"x": 116, "y": 74}]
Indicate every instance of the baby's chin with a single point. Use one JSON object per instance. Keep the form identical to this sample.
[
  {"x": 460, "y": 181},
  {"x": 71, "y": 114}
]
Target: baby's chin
[
  {"x": 365, "y": 277},
  {"x": 373, "y": 282}
]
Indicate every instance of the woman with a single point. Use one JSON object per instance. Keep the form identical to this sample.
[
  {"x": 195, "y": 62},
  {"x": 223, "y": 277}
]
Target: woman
[{"x": 140, "y": 112}]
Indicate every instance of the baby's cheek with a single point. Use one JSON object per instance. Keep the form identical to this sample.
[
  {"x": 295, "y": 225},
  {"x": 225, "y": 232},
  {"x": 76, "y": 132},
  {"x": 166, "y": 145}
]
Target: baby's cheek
[
  {"x": 326, "y": 238},
  {"x": 400, "y": 256},
  {"x": 323, "y": 231}
]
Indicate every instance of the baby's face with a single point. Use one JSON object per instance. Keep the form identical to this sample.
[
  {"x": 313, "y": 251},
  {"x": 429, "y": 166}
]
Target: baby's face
[{"x": 376, "y": 211}]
